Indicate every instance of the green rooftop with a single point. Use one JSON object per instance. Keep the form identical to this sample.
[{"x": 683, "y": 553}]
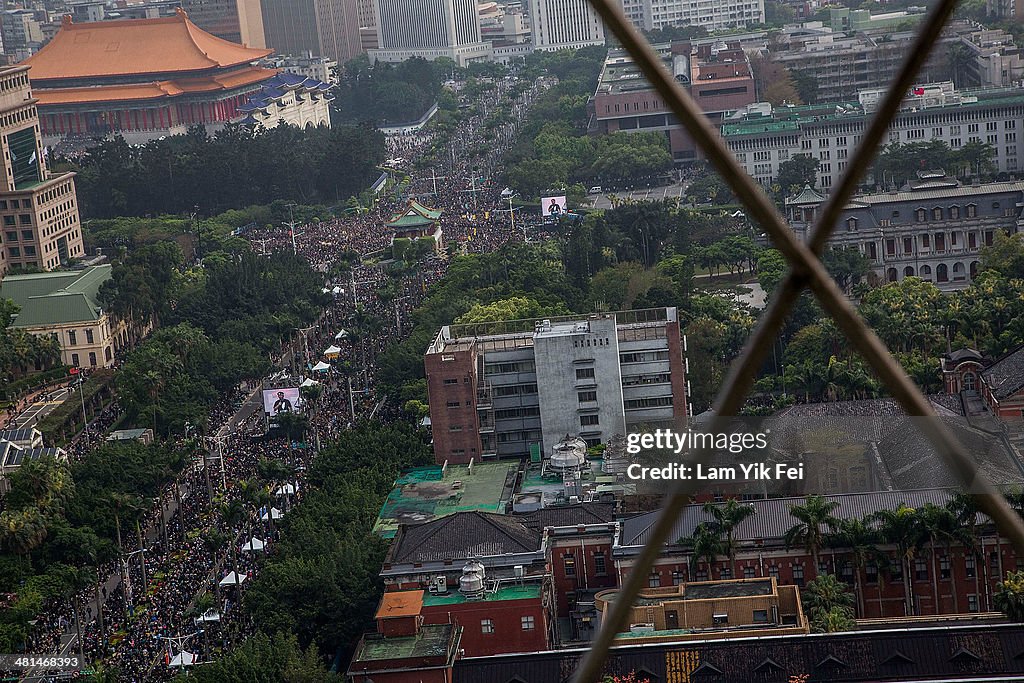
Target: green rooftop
[
  {"x": 415, "y": 214},
  {"x": 523, "y": 592},
  {"x": 431, "y": 641},
  {"x": 660, "y": 634},
  {"x": 56, "y": 298},
  {"x": 791, "y": 118},
  {"x": 426, "y": 493}
]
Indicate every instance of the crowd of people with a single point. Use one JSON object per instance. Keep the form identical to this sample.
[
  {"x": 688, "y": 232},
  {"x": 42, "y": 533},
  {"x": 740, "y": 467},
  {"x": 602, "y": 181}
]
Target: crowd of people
[{"x": 148, "y": 612}]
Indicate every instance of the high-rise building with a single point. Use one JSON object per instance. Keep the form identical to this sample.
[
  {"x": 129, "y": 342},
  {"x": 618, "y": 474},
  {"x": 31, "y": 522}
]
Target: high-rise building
[
  {"x": 428, "y": 29},
  {"x": 240, "y": 21},
  {"x": 39, "y": 210},
  {"x": 325, "y": 28},
  {"x": 561, "y": 24},
  {"x": 517, "y": 388},
  {"x": 21, "y": 33}
]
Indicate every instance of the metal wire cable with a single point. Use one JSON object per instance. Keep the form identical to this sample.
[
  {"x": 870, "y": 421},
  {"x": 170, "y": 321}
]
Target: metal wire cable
[{"x": 807, "y": 270}]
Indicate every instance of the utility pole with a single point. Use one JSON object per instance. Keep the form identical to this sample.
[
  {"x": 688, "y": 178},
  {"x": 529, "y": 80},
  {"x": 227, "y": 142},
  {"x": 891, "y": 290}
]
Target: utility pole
[
  {"x": 219, "y": 440},
  {"x": 291, "y": 227},
  {"x": 435, "y": 178}
]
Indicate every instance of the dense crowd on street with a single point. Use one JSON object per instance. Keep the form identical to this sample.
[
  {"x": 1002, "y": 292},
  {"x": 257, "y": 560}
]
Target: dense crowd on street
[{"x": 146, "y": 608}]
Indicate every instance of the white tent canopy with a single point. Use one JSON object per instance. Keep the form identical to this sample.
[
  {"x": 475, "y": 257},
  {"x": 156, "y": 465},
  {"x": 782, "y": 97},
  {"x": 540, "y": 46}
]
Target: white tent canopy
[
  {"x": 341, "y": 334},
  {"x": 321, "y": 367},
  {"x": 254, "y": 545},
  {"x": 309, "y": 381},
  {"x": 336, "y": 290},
  {"x": 210, "y": 615},
  {"x": 332, "y": 350},
  {"x": 183, "y": 658},
  {"x": 274, "y": 512},
  {"x": 285, "y": 490},
  {"x": 230, "y": 579}
]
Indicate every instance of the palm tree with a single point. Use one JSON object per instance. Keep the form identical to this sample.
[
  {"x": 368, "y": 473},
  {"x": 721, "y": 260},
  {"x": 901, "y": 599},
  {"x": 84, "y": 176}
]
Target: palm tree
[
  {"x": 815, "y": 520},
  {"x": 705, "y": 545},
  {"x": 901, "y": 528},
  {"x": 965, "y": 510},
  {"x": 726, "y": 518},
  {"x": 859, "y": 540},
  {"x": 213, "y": 542},
  {"x": 940, "y": 526},
  {"x": 826, "y": 599}
]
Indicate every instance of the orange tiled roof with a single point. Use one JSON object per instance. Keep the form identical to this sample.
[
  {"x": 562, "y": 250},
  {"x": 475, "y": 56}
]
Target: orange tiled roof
[
  {"x": 148, "y": 91},
  {"x": 400, "y": 604},
  {"x": 135, "y": 47}
]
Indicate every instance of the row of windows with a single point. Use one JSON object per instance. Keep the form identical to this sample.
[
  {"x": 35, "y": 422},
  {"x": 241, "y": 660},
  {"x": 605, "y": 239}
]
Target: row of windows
[
  {"x": 638, "y": 380},
  {"x": 600, "y": 563},
  {"x": 579, "y": 343},
  {"x": 526, "y": 623},
  {"x": 504, "y": 368},
  {"x": 512, "y": 413},
  {"x": 516, "y": 389},
  {"x": 92, "y": 358},
  {"x": 656, "y": 402},
  {"x": 14, "y": 203},
  {"x": 643, "y": 356}
]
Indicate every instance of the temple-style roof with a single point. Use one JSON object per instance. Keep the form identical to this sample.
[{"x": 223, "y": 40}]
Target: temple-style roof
[
  {"x": 135, "y": 47},
  {"x": 415, "y": 214},
  {"x": 808, "y": 195},
  {"x": 153, "y": 90}
]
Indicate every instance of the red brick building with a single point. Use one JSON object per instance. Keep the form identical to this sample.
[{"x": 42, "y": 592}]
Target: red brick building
[
  {"x": 998, "y": 384},
  {"x": 717, "y": 76}
]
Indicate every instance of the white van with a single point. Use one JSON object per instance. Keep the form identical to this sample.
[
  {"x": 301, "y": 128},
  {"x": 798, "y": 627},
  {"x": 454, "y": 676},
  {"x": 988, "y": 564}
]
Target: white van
[{"x": 596, "y": 189}]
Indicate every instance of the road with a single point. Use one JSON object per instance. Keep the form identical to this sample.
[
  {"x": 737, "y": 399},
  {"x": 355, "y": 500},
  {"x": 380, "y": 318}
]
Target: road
[
  {"x": 41, "y": 408},
  {"x": 643, "y": 194}
]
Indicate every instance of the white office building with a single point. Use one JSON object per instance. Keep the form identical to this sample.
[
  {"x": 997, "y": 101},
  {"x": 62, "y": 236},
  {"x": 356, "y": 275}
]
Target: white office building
[
  {"x": 564, "y": 24},
  {"x": 714, "y": 15},
  {"x": 428, "y": 29}
]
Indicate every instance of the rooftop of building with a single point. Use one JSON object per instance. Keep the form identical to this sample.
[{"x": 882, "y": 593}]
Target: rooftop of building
[
  {"x": 475, "y": 534},
  {"x": 430, "y": 642},
  {"x": 135, "y": 47},
  {"x": 56, "y": 298},
  {"x": 400, "y": 604},
  {"x": 525, "y": 591},
  {"x": 705, "y": 60},
  {"x": 415, "y": 214},
  {"x": 762, "y": 118},
  {"x": 427, "y": 493},
  {"x": 553, "y": 489},
  {"x": 771, "y": 519},
  {"x": 511, "y": 334},
  {"x": 1005, "y": 377},
  {"x": 130, "y": 92}
]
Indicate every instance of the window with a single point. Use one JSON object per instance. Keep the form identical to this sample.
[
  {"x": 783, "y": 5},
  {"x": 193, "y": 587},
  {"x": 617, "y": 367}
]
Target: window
[
  {"x": 773, "y": 571},
  {"x": 486, "y": 626},
  {"x": 569, "y": 563},
  {"x": 25, "y": 219},
  {"x": 12, "y": 236},
  {"x": 89, "y": 337},
  {"x": 954, "y": 212},
  {"x": 92, "y": 359},
  {"x": 585, "y": 373},
  {"x": 851, "y": 224},
  {"x": 654, "y": 580},
  {"x": 455, "y": 428},
  {"x": 74, "y": 360},
  {"x": 600, "y": 568},
  {"x": 760, "y": 616},
  {"x": 720, "y": 619},
  {"x": 871, "y": 573},
  {"x": 587, "y": 396},
  {"x": 972, "y": 210},
  {"x": 920, "y": 569},
  {"x": 26, "y": 236},
  {"x": 589, "y": 420},
  {"x": 452, "y": 404},
  {"x": 725, "y": 572},
  {"x": 748, "y": 572},
  {"x": 972, "y": 603},
  {"x": 450, "y": 380},
  {"x": 944, "y": 566},
  {"x": 527, "y": 622},
  {"x": 72, "y": 338},
  {"x": 677, "y": 578},
  {"x": 798, "y": 574},
  {"x": 922, "y": 215},
  {"x": 936, "y": 214}
]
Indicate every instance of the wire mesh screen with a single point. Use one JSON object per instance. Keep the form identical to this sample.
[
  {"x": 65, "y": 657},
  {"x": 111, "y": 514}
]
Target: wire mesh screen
[{"x": 805, "y": 271}]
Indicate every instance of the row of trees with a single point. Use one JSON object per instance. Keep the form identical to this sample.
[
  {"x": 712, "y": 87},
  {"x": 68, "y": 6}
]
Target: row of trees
[
  {"x": 21, "y": 352},
  {"x": 61, "y": 521},
  {"x": 914, "y": 318},
  {"x": 887, "y": 540},
  {"x": 235, "y": 167}
]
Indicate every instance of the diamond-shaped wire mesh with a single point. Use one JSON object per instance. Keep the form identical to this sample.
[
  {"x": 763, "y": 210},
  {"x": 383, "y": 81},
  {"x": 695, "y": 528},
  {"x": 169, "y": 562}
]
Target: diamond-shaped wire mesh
[{"x": 807, "y": 270}]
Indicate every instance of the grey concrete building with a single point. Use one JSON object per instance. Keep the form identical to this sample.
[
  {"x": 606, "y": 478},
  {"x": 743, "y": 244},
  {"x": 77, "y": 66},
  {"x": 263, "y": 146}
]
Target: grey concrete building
[
  {"x": 516, "y": 388},
  {"x": 934, "y": 228}
]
